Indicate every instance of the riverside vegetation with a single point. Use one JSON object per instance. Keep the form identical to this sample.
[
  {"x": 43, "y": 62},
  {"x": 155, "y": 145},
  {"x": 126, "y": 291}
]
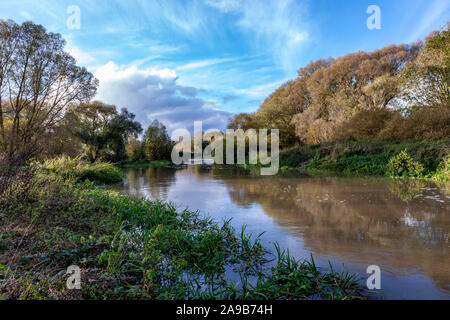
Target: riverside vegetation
[
  {"x": 412, "y": 160},
  {"x": 372, "y": 158},
  {"x": 53, "y": 216}
]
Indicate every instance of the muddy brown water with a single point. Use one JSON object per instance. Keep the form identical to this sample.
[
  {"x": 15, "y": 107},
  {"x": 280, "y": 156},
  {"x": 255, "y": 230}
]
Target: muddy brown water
[{"x": 402, "y": 226}]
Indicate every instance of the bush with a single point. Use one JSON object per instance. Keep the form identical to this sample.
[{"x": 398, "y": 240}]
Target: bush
[
  {"x": 79, "y": 170},
  {"x": 403, "y": 165}
]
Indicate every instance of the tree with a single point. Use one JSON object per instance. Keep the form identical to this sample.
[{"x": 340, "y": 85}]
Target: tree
[
  {"x": 328, "y": 93},
  {"x": 157, "y": 144},
  {"x": 61, "y": 141},
  {"x": 38, "y": 80},
  {"x": 104, "y": 131},
  {"x": 243, "y": 121},
  {"x": 281, "y": 106},
  {"x": 135, "y": 150}
]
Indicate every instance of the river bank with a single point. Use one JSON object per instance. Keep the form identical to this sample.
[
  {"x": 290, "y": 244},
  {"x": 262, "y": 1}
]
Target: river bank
[
  {"x": 135, "y": 248},
  {"x": 367, "y": 159}
]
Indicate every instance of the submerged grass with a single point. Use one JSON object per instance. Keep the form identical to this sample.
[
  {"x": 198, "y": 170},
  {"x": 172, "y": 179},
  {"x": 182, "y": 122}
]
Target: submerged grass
[{"x": 134, "y": 248}]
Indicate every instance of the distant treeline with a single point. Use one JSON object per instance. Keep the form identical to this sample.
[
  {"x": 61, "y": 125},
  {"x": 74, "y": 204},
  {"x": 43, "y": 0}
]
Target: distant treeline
[{"x": 399, "y": 92}]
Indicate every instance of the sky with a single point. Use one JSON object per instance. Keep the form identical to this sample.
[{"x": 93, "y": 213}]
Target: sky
[{"x": 181, "y": 61}]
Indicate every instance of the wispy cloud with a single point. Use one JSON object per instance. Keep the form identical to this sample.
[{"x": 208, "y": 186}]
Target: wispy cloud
[
  {"x": 204, "y": 63},
  {"x": 259, "y": 91},
  {"x": 278, "y": 26}
]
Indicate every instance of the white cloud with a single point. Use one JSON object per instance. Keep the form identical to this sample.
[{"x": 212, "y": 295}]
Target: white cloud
[
  {"x": 83, "y": 58},
  {"x": 154, "y": 94},
  {"x": 161, "y": 48},
  {"x": 112, "y": 72}
]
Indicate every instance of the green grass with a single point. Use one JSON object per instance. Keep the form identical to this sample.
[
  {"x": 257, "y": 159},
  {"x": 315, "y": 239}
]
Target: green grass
[
  {"x": 133, "y": 248},
  {"x": 79, "y": 170}
]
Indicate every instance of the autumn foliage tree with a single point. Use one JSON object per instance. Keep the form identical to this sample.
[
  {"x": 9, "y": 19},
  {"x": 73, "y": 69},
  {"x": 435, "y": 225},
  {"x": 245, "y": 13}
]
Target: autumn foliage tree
[{"x": 348, "y": 85}]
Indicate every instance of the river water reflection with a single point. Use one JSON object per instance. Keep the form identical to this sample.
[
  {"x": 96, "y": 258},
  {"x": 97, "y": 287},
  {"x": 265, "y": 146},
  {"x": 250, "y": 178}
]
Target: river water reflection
[{"x": 401, "y": 226}]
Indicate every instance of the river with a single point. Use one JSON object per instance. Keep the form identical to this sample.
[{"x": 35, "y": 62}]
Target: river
[{"x": 402, "y": 226}]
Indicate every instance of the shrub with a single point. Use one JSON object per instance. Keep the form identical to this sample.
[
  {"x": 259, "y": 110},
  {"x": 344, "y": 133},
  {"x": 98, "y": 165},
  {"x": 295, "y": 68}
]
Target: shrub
[
  {"x": 403, "y": 165},
  {"x": 15, "y": 179}
]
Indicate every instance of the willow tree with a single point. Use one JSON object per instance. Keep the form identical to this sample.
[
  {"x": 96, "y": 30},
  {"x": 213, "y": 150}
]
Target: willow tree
[
  {"x": 89, "y": 123},
  {"x": 38, "y": 80}
]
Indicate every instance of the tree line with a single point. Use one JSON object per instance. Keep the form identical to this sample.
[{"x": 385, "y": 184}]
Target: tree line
[{"x": 399, "y": 92}]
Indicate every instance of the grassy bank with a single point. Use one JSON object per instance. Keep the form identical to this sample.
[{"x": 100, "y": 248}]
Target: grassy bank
[
  {"x": 366, "y": 158},
  {"x": 130, "y": 248}
]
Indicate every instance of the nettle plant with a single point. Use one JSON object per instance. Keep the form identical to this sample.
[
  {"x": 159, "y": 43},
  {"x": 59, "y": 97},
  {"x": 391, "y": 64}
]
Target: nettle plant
[{"x": 403, "y": 165}]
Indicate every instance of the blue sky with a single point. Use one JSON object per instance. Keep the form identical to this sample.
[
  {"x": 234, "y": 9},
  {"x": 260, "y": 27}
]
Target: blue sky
[{"x": 181, "y": 61}]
